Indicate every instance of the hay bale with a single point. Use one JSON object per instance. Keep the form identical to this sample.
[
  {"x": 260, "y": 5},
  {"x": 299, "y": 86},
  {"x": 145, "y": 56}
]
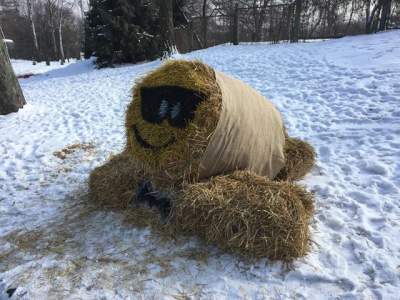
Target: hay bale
[
  {"x": 188, "y": 122},
  {"x": 113, "y": 184},
  {"x": 241, "y": 212},
  {"x": 248, "y": 214},
  {"x": 300, "y": 158}
]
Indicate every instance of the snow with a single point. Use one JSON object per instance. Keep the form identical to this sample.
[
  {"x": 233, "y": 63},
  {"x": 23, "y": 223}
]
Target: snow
[
  {"x": 25, "y": 67},
  {"x": 341, "y": 95}
]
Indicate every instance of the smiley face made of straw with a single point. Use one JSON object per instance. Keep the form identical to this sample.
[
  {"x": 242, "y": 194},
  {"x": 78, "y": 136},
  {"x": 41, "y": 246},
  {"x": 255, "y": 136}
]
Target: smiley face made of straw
[
  {"x": 169, "y": 123},
  {"x": 167, "y": 105}
]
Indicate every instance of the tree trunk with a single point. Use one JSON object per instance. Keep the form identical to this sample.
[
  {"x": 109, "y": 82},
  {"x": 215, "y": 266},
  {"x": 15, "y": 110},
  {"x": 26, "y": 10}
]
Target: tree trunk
[
  {"x": 235, "y": 28},
  {"x": 82, "y": 29},
  {"x": 296, "y": 25},
  {"x": 375, "y": 22},
  {"x": 289, "y": 23},
  {"x": 34, "y": 36},
  {"x": 255, "y": 18},
  {"x": 260, "y": 21},
  {"x": 372, "y": 23},
  {"x": 167, "y": 26},
  {"x": 350, "y": 18},
  {"x": 385, "y": 15},
  {"x": 61, "y": 44},
  {"x": 50, "y": 12},
  {"x": 367, "y": 15},
  {"x": 11, "y": 97},
  {"x": 53, "y": 41},
  {"x": 60, "y": 34},
  {"x": 204, "y": 23}
]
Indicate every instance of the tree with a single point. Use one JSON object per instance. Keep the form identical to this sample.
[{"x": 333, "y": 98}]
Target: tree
[
  {"x": 259, "y": 15},
  {"x": 385, "y": 15},
  {"x": 121, "y": 31},
  {"x": 297, "y": 16},
  {"x": 378, "y": 17},
  {"x": 131, "y": 25},
  {"x": 204, "y": 23},
  {"x": 51, "y": 11},
  {"x": 28, "y": 24},
  {"x": 166, "y": 26},
  {"x": 34, "y": 35},
  {"x": 11, "y": 97},
  {"x": 60, "y": 39},
  {"x": 98, "y": 32}
]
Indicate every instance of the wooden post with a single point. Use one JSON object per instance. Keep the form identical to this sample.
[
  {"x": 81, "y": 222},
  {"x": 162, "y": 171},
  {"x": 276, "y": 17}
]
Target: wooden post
[{"x": 235, "y": 29}]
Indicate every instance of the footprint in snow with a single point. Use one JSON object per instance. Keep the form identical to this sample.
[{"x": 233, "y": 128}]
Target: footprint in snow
[
  {"x": 373, "y": 168},
  {"x": 324, "y": 152}
]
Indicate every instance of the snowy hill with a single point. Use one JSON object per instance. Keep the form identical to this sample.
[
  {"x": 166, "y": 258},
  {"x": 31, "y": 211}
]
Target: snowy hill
[
  {"x": 341, "y": 95},
  {"x": 24, "y": 67}
]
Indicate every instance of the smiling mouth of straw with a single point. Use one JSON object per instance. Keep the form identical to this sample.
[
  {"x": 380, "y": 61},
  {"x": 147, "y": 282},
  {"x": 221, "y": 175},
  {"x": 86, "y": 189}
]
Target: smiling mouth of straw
[{"x": 146, "y": 144}]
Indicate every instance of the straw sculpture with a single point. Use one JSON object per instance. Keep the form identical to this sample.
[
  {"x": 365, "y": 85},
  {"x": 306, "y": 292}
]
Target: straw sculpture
[{"x": 211, "y": 156}]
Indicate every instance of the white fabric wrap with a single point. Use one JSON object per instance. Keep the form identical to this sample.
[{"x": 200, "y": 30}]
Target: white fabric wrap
[{"x": 249, "y": 134}]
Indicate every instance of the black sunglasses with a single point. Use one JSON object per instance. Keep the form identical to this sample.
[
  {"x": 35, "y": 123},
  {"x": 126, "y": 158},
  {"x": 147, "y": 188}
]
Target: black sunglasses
[{"x": 176, "y": 104}]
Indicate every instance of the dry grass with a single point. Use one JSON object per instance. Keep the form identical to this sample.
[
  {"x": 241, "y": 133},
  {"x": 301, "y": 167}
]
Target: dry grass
[
  {"x": 247, "y": 214},
  {"x": 300, "y": 158},
  {"x": 65, "y": 152}
]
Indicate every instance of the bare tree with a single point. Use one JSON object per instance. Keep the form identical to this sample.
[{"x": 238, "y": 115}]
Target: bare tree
[
  {"x": 60, "y": 22},
  {"x": 34, "y": 35},
  {"x": 385, "y": 14},
  {"x": 82, "y": 27},
  {"x": 372, "y": 15},
  {"x": 56, "y": 10},
  {"x": 204, "y": 23},
  {"x": 51, "y": 10},
  {"x": 34, "y": 25},
  {"x": 297, "y": 16},
  {"x": 167, "y": 26},
  {"x": 353, "y": 7},
  {"x": 259, "y": 15}
]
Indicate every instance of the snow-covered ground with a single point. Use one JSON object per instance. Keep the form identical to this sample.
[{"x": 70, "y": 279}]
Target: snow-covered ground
[
  {"x": 341, "y": 95},
  {"x": 25, "y": 67}
]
